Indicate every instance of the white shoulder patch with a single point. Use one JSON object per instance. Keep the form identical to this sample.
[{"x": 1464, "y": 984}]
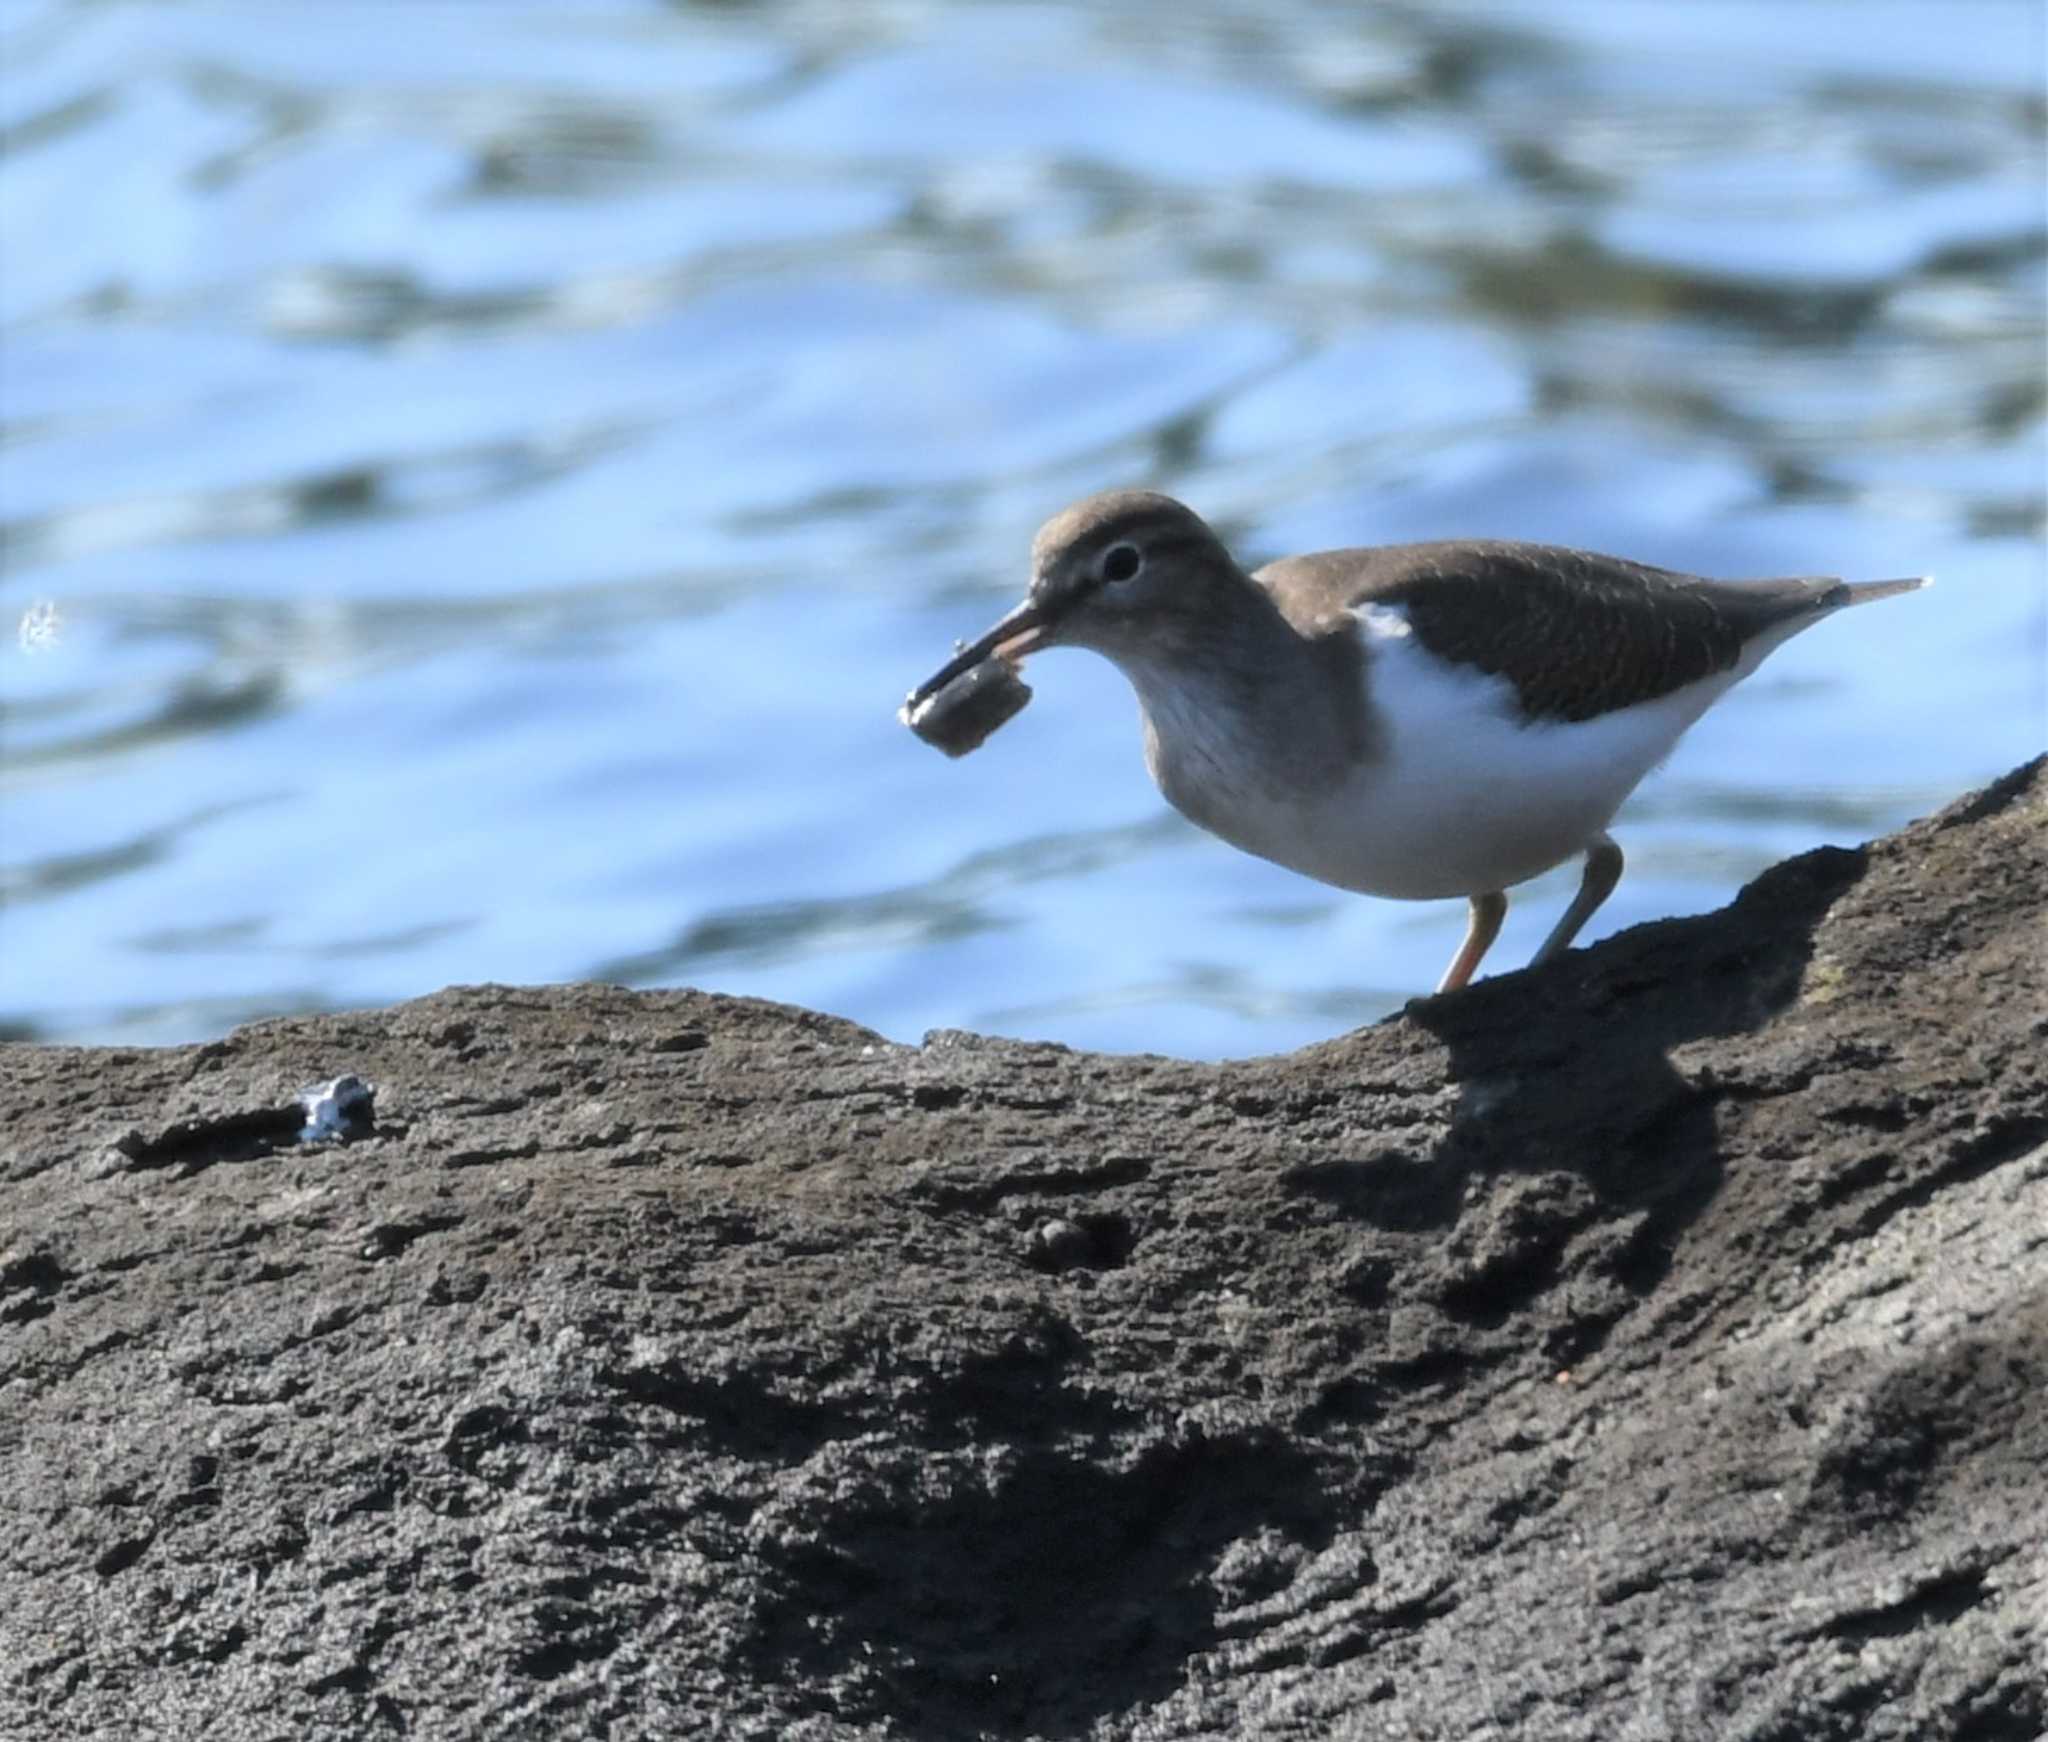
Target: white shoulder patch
[{"x": 1383, "y": 622}]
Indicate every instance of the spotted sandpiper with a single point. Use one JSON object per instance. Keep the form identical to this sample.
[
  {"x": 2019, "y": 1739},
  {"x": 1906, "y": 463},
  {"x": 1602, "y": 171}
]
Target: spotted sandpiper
[{"x": 1416, "y": 721}]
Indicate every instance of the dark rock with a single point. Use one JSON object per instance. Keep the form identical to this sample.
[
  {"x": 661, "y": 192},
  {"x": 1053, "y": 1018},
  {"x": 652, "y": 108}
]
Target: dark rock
[{"x": 1653, "y": 1346}]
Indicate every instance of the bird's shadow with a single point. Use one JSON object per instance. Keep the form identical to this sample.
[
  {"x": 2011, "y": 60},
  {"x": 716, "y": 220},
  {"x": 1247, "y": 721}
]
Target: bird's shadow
[{"x": 1576, "y": 1103}]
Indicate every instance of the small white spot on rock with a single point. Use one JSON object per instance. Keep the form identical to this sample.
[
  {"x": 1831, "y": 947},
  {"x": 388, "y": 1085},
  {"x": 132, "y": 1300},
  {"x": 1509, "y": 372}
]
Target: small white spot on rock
[{"x": 336, "y": 1110}]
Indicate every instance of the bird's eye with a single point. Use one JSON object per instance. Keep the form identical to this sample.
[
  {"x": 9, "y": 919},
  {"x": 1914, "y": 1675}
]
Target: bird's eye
[{"x": 1121, "y": 562}]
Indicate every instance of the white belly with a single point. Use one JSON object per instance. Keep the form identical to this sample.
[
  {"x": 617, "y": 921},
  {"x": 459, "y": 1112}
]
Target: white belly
[{"x": 1460, "y": 797}]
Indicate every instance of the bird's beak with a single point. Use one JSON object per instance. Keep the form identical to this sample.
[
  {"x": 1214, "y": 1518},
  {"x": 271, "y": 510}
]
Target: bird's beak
[{"x": 1023, "y": 631}]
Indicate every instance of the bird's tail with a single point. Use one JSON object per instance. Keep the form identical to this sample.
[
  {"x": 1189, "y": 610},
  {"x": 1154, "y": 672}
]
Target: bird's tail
[
  {"x": 1779, "y": 610},
  {"x": 1862, "y": 592}
]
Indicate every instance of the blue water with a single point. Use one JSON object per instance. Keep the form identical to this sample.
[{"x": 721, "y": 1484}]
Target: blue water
[{"x": 476, "y": 479}]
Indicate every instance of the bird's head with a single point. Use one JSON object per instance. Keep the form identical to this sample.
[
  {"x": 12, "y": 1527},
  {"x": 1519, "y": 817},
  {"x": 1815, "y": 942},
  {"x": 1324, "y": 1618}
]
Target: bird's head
[{"x": 1130, "y": 573}]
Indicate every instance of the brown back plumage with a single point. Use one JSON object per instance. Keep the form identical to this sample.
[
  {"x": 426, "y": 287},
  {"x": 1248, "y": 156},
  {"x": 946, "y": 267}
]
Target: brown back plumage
[{"x": 1576, "y": 634}]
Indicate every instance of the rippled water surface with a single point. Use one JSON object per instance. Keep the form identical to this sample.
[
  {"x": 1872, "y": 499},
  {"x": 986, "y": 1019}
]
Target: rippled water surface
[{"x": 477, "y": 478}]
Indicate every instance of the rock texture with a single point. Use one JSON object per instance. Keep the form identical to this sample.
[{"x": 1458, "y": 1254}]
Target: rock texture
[{"x": 1654, "y": 1346}]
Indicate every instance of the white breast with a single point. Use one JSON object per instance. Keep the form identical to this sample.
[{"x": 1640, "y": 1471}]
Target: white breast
[{"x": 1460, "y": 797}]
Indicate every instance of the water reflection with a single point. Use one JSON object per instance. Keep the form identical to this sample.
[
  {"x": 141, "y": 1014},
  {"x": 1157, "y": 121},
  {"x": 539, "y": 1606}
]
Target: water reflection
[{"x": 958, "y": 904}]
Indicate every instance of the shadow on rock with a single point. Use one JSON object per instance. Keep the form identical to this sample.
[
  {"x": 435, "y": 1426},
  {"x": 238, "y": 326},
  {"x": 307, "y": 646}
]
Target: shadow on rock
[
  {"x": 1579, "y": 1146},
  {"x": 1055, "y": 1593}
]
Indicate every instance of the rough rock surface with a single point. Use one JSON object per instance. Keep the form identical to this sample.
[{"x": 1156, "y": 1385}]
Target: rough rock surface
[{"x": 1653, "y": 1346}]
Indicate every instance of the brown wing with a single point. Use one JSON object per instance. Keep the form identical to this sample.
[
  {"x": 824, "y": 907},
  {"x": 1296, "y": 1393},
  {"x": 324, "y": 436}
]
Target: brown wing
[{"x": 1575, "y": 633}]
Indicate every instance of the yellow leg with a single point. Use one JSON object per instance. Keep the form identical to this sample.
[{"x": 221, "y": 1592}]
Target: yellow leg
[
  {"x": 1603, "y": 872},
  {"x": 1480, "y": 931}
]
